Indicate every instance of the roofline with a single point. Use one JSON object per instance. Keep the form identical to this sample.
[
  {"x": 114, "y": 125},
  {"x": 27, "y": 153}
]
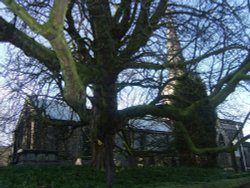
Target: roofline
[
  {"x": 232, "y": 121},
  {"x": 148, "y": 130}
]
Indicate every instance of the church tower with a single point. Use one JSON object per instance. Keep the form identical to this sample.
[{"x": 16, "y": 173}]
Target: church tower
[
  {"x": 187, "y": 87},
  {"x": 174, "y": 56}
]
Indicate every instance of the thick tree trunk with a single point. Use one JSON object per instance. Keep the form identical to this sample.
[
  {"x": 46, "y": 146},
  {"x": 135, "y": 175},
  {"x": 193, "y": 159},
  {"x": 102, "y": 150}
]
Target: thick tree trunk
[
  {"x": 109, "y": 158},
  {"x": 103, "y": 128},
  {"x": 97, "y": 154},
  {"x": 103, "y": 157}
]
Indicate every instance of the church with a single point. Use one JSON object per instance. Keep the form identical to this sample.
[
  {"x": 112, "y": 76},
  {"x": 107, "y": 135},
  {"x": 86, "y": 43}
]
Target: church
[{"x": 40, "y": 138}]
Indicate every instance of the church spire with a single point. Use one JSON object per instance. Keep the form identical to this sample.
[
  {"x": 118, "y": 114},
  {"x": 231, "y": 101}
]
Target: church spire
[{"x": 174, "y": 55}]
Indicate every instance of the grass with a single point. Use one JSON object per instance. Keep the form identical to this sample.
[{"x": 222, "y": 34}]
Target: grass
[{"x": 86, "y": 177}]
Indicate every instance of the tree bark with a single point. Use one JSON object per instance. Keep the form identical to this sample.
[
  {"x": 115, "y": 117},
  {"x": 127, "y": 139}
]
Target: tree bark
[
  {"x": 104, "y": 123},
  {"x": 97, "y": 154},
  {"x": 109, "y": 158}
]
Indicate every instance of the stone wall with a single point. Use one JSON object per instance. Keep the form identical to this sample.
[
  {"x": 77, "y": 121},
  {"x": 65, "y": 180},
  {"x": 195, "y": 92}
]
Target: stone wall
[{"x": 5, "y": 152}]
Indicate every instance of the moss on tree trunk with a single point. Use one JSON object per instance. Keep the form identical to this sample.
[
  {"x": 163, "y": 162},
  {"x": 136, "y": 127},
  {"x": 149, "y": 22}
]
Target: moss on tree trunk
[{"x": 200, "y": 124}]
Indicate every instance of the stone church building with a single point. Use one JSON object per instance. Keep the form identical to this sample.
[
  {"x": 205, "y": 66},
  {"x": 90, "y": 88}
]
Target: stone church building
[
  {"x": 45, "y": 133},
  {"x": 48, "y": 132}
]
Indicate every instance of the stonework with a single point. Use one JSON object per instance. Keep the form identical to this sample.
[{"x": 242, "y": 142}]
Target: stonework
[
  {"x": 5, "y": 152},
  {"x": 239, "y": 159},
  {"x": 32, "y": 134},
  {"x": 142, "y": 143}
]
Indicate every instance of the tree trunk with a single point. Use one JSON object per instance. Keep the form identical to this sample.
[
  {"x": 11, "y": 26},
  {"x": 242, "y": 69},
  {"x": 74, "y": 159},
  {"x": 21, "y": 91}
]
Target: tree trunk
[
  {"x": 104, "y": 123},
  {"x": 103, "y": 157},
  {"x": 109, "y": 158},
  {"x": 97, "y": 154}
]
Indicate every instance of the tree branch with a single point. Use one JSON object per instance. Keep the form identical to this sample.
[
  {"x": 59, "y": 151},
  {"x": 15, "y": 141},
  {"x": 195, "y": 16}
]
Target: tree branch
[
  {"x": 144, "y": 28},
  {"x": 53, "y": 31},
  {"x": 241, "y": 127},
  {"x": 144, "y": 65},
  {"x": 229, "y": 148},
  {"x": 21, "y": 12},
  {"x": 57, "y": 15},
  {"x": 215, "y": 52},
  {"x": 228, "y": 84},
  {"x": 31, "y": 48},
  {"x": 165, "y": 111}
]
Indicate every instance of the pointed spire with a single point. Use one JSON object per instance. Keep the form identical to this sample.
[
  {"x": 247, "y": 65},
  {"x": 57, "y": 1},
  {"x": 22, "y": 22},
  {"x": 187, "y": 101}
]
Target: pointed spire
[{"x": 174, "y": 55}]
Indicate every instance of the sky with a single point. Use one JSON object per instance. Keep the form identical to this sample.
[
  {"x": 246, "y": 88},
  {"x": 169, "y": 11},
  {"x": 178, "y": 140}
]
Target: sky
[
  {"x": 237, "y": 99},
  {"x": 3, "y": 137}
]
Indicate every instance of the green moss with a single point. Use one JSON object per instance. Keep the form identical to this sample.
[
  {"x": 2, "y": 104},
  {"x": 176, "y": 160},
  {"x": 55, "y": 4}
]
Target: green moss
[{"x": 199, "y": 123}]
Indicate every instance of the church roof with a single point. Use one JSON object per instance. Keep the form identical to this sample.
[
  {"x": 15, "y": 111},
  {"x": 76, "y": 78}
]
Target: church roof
[
  {"x": 54, "y": 109},
  {"x": 156, "y": 125},
  {"x": 59, "y": 110}
]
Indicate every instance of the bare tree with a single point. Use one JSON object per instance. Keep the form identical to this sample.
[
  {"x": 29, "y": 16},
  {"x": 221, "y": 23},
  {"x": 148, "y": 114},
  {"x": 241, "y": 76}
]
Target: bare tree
[{"x": 110, "y": 46}]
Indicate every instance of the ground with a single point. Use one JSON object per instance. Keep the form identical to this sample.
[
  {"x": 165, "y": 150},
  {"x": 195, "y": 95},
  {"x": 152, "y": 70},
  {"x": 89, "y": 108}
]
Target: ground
[{"x": 150, "y": 177}]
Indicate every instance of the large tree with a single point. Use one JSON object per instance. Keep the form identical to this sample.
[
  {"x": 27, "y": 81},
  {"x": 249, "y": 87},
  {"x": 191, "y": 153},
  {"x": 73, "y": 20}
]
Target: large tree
[{"x": 94, "y": 50}]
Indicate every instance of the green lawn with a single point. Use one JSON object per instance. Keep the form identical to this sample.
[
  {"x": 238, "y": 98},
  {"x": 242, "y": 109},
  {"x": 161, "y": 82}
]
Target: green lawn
[{"x": 85, "y": 177}]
